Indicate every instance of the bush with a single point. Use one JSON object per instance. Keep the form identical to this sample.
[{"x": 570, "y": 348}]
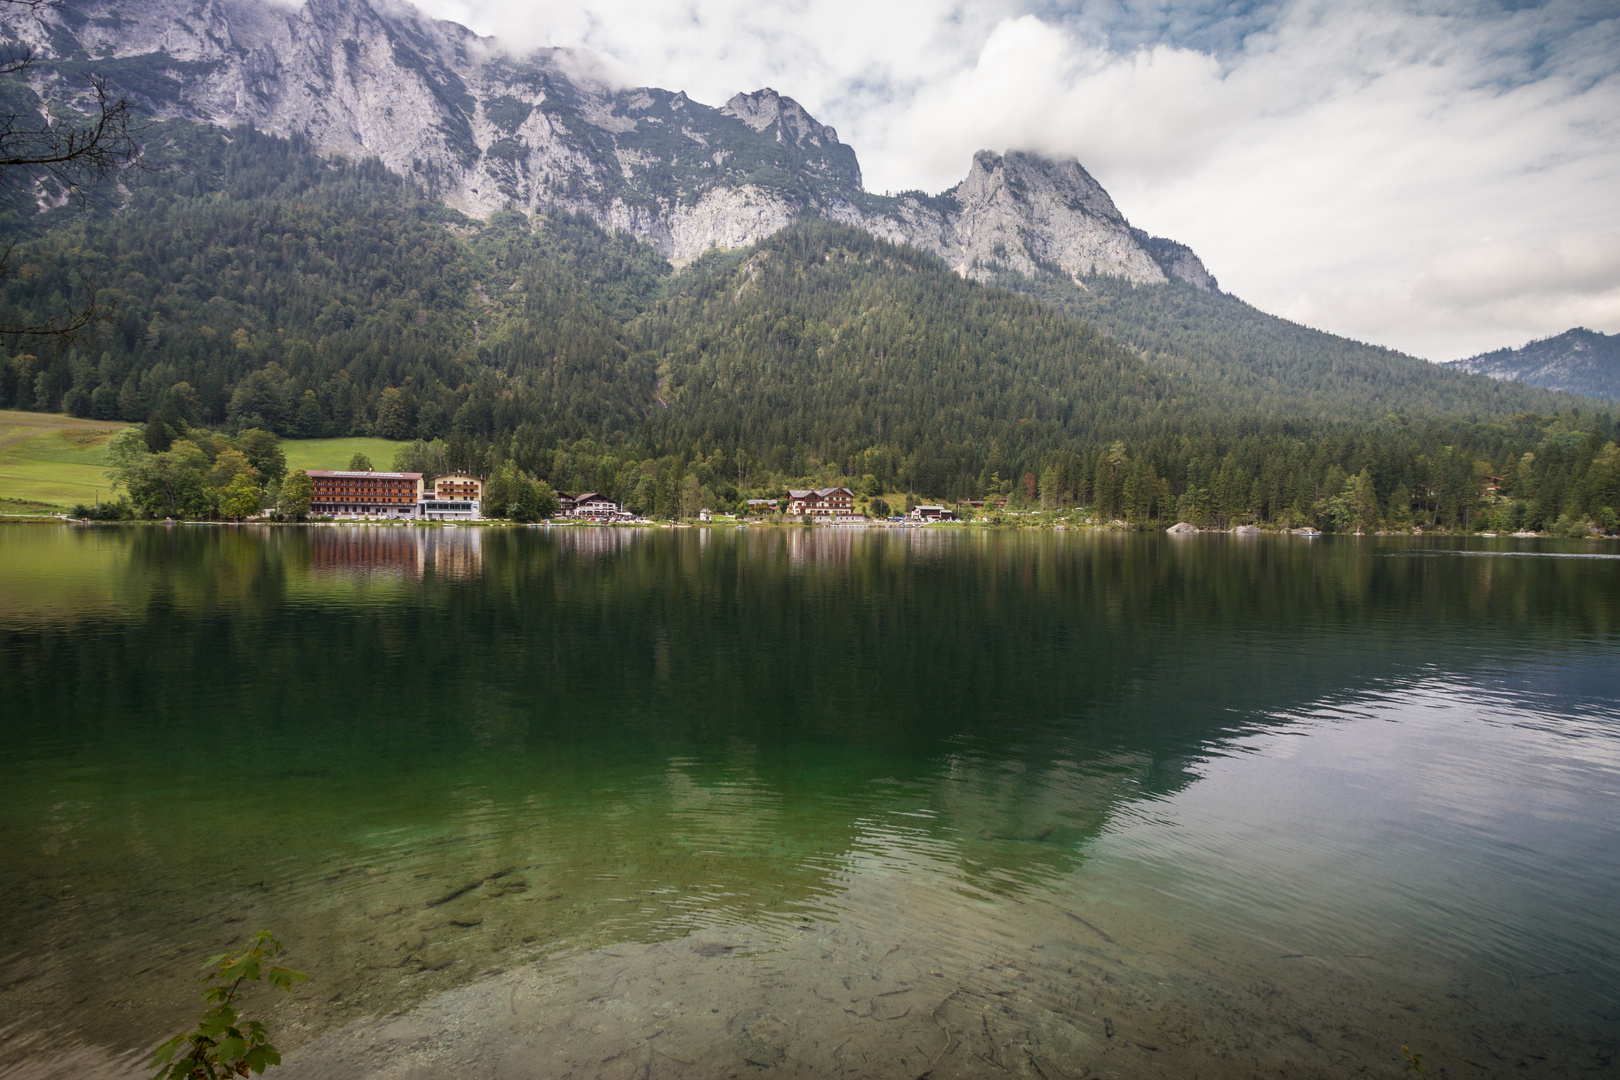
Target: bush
[
  {"x": 225, "y": 1043},
  {"x": 118, "y": 511}
]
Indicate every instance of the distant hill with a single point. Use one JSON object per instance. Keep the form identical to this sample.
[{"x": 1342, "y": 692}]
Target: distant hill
[
  {"x": 1246, "y": 362},
  {"x": 1578, "y": 361}
]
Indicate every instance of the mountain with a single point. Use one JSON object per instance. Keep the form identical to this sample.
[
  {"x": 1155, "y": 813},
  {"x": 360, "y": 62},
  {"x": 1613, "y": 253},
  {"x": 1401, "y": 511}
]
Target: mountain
[
  {"x": 484, "y": 130},
  {"x": 1578, "y": 361},
  {"x": 350, "y": 221},
  {"x": 260, "y": 283}
]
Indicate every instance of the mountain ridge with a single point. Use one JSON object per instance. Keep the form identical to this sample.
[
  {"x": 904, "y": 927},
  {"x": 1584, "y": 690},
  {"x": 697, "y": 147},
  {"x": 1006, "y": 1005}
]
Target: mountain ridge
[
  {"x": 484, "y": 131},
  {"x": 1578, "y": 361}
]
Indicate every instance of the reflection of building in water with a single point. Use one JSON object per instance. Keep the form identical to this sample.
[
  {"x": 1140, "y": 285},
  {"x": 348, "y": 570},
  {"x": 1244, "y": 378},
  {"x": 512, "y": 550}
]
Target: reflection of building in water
[
  {"x": 596, "y": 543},
  {"x": 815, "y": 546},
  {"x": 366, "y": 551},
  {"x": 456, "y": 554}
]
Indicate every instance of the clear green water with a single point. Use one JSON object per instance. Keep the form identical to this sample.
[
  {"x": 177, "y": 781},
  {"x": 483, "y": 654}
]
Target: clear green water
[{"x": 818, "y": 802}]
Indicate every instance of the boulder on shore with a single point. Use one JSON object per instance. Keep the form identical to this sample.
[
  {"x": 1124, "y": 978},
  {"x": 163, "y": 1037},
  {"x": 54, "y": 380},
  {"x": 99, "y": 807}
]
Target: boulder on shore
[
  {"x": 1246, "y": 530},
  {"x": 1181, "y": 528}
]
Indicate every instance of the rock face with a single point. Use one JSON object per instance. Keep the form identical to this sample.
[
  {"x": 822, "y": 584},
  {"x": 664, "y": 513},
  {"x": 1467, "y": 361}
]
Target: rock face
[
  {"x": 1025, "y": 214},
  {"x": 1580, "y": 361},
  {"x": 485, "y": 131}
]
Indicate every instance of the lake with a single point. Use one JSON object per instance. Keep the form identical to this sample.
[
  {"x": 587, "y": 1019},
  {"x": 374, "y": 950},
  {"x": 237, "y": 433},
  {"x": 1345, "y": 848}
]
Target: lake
[{"x": 790, "y": 801}]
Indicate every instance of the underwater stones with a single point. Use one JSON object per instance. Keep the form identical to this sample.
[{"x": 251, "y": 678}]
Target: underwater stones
[{"x": 435, "y": 956}]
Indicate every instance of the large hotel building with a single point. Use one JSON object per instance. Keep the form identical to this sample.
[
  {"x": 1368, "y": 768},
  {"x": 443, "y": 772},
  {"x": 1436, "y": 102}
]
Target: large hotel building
[{"x": 385, "y": 494}]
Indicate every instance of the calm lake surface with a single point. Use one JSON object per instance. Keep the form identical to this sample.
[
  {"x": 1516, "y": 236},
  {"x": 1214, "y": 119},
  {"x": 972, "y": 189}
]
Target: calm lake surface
[{"x": 596, "y": 802}]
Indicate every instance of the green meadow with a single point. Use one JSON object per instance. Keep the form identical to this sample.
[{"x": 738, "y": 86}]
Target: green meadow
[
  {"x": 335, "y": 453},
  {"x": 49, "y": 461}
]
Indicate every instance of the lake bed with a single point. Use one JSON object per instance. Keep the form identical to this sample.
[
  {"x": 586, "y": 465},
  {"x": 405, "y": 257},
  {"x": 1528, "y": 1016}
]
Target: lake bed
[{"x": 712, "y": 802}]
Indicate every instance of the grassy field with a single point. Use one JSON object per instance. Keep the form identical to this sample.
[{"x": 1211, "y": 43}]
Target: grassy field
[
  {"x": 51, "y": 462},
  {"x": 335, "y": 453}
]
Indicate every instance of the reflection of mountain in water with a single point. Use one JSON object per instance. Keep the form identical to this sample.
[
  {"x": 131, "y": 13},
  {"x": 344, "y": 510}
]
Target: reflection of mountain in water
[{"x": 598, "y": 735}]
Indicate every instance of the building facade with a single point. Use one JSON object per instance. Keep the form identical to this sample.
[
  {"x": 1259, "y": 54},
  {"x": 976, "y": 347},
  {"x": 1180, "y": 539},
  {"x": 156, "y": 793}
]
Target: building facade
[
  {"x": 594, "y": 506},
  {"x": 345, "y": 493},
  {"x": 822, "y": 502},
  {"x": 460, "y": 486},
  {"x": 456, "y": 496}
]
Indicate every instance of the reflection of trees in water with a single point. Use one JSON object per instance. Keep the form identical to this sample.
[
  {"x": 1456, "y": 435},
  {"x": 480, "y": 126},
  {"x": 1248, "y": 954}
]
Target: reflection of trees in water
[{"x": 656, "y": 724}]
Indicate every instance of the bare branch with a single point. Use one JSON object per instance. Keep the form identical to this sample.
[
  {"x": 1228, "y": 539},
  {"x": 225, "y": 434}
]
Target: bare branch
[
  {"x": 59, "y": 157},
  {"x": 25, "y": 56},
  {"x": 72, "y": 155}
]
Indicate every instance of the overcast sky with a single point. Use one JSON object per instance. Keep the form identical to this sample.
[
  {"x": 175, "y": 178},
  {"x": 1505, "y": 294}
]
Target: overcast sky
[{"x": 1441, "y": 177}]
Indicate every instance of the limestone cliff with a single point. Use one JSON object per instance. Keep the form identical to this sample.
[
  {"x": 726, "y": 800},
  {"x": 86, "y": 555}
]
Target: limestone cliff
[{"x": 484, "y": 131}]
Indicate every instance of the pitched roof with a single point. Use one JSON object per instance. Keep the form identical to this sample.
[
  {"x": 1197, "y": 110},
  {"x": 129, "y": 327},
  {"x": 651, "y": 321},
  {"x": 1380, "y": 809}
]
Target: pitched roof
[
  {"x": 361, "y": 473},
  {"x": 820, "y": 493}
]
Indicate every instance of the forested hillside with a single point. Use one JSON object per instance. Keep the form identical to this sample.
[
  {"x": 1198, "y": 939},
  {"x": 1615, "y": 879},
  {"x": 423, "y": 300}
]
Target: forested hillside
[
  {"x": 1266, "y": 366},
  {"x": 257, "y": 284}
]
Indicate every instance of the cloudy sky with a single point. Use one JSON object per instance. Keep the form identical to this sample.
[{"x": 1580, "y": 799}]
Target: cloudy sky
[{"x": 1442, "y": 177}]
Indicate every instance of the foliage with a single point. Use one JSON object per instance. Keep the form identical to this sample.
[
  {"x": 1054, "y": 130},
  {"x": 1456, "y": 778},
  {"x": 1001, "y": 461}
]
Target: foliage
[
  {"x": 224, "y": 1042},
  {"x": 427, "y": 458},
  {"x": 240, "y": 498},
  {"x": 515, "y": 494},
  {"x": 360, "y": 463},
  {"x": 118, "y": 511},
  {"x": 266, "y": 290},
  {"x": 61, "y": 153},
  {"x": 296, "y": 495},
  {"x": 197, "y": 473},
  {"x": 1244, "y": 360}
]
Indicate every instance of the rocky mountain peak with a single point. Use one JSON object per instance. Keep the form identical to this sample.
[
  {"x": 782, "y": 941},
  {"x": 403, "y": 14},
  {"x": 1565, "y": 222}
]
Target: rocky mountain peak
[
  {"x": 763, "y": 108},
  {"x": 484, "y": 131},
  {"x": 1025, "y": 213},
  {"x": 1028, "y": 179}
]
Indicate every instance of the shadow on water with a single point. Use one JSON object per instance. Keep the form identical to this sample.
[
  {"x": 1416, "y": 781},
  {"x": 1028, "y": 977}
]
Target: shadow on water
[{"x": 420, "y": 755}]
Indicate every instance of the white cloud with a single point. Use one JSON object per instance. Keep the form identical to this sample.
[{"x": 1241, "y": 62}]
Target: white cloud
[{"x": 1442, "y": 178}]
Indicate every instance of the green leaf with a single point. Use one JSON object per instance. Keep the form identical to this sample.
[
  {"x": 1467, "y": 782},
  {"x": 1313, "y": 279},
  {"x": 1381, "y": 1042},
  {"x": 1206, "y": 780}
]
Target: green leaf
[
  {"x": 165, "y": 1053},
  {"x": 285, "y": 977},
  {"x": 216, "y": 1021},
  {"x": 260, "y": 1058},
  {"x": 230, "y": 1050}
]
